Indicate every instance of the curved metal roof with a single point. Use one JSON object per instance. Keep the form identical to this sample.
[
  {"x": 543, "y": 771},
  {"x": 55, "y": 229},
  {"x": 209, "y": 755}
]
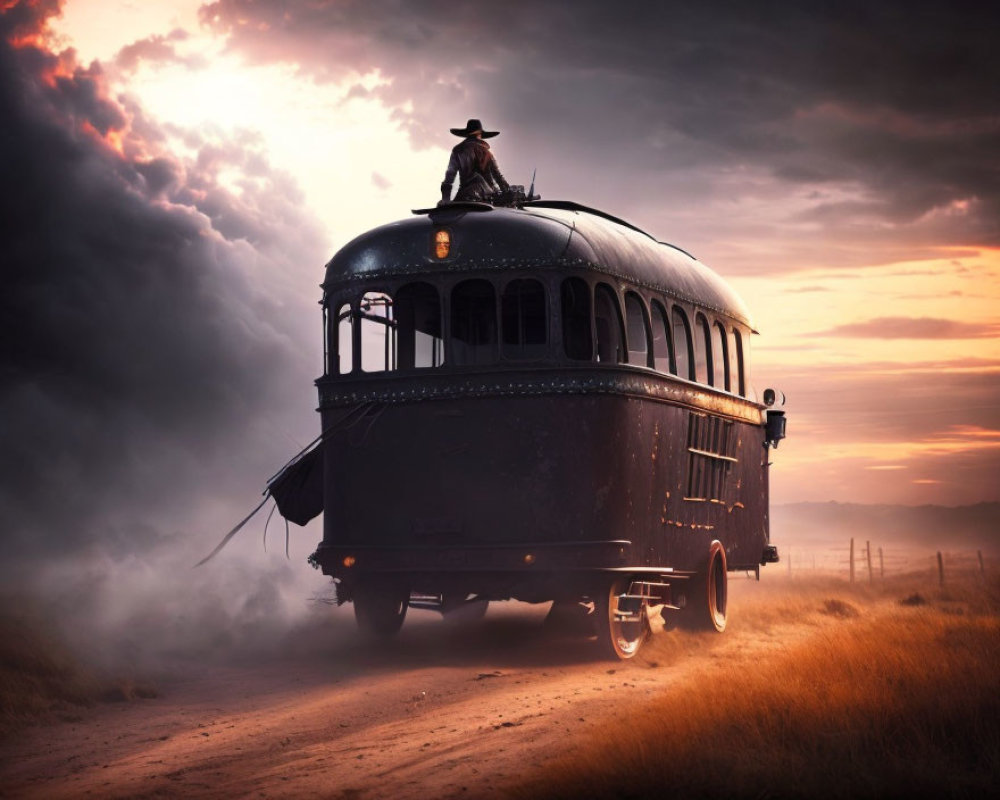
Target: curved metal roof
[{"x": 542, "y": 234}]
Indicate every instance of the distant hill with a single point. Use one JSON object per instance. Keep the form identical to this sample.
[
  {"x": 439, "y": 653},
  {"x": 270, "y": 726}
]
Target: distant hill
[{"x": 942, "y": 528}]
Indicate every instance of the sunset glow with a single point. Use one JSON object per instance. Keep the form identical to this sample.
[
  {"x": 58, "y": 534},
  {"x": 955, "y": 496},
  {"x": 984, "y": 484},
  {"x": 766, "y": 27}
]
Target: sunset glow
[{"x": 876, "y": 306}]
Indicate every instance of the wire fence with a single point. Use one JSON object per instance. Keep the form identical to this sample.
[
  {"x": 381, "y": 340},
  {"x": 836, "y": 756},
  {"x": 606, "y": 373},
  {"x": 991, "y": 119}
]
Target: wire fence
[{"x": 863, "y": 561}]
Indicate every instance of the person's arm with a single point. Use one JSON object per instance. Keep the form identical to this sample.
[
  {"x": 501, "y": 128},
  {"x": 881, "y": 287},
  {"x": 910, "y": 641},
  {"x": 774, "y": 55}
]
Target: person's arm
[
  {"x": 449, "y": 177},
  {"x": 496, "y": 175}
]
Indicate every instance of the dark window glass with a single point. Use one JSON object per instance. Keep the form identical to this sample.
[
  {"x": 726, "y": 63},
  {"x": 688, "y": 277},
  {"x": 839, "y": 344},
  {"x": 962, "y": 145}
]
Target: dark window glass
[
  {"x": 576, "y": 319},
  {"x": 702, "y": 350},
  {"x": 720, "y": 356},
  {"x": 608, "y": 326},
  {"x": 418, "y": 325},
  {"x": 682, "y": 343},
  {"x": 524, "y": 315},
  {"x": 378, "y": 333},
  {"x": 663, "y": 349},
  {"x": 345, "y": 340},
  {"x": 473, "y": 323},
  {"x": 638, "y": 331}
]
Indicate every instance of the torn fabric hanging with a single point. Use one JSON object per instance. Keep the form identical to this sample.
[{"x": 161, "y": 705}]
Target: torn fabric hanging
[{"x": 298, "y": 488}]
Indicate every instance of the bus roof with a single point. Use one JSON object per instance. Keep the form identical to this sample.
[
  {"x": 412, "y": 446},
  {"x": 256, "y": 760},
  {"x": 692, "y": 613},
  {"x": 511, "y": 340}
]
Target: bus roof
[{"x": 553, "y": 234}]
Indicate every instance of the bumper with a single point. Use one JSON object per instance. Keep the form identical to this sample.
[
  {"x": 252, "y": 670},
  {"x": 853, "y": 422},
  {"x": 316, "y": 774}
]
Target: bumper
[{"x": 340, "y": 561}]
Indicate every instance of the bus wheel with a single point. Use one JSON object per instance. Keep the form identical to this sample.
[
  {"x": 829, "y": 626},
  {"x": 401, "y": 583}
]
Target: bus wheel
[
  {"x": 380, "y": 607},
  {"x": 619, "y": 633},
  {"x": 465, "y": 612},
  {"x": 709, "y": 592}
]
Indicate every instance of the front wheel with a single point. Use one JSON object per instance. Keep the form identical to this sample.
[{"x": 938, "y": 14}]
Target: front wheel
[
  {"x": 619, "y": 632},
  {"x": 380, "y": 607}
]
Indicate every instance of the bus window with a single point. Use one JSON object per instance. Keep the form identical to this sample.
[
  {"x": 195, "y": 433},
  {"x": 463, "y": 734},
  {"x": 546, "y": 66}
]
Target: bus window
[
  {"x": 682, "y": 343},
  {"x": 735, "y": 368},
  {"x": 345, "y": 340},
  {"x": 576, "y": 319},
  {"x": 608, "y": 324},
  {"x": 638, "y": 330},
  {"x": 378, "y": 333},
  {"x": 473, "y": 323},
  {"x": 418, "y": 326},
  {"x": 663, "y": 349},
  {"x": 702, "y": 350},
  {"x": 720, "y": 356},
  {"x": 742, "y": 366},
  {"x": 327, "y": 338},
  {"x": 524, "y": 315}
]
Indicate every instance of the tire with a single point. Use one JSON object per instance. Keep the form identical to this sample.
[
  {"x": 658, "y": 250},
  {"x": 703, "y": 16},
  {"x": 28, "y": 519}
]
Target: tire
[
  {"x": 380, "y": 607},
  {"x": 570, "y": 618},
  {"x": 466, "y": 612},
  {"x": 618, "y": 639},
  {"x": 708, "y": 598}
]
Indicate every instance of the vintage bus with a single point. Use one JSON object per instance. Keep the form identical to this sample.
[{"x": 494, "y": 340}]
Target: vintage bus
[{"x": 540, "y": 403}]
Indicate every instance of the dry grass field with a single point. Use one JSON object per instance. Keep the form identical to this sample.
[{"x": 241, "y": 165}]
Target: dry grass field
[
  {"x": 42, "y": 678},
  {"x": 817, "y": 689},
  {"x": 901, "y": 698}
]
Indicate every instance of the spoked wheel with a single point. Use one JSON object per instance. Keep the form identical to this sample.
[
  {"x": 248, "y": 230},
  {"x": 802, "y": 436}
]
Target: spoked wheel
[
  {"x": 619, "y": 633},
  {"x": 709, "y": 592},
  {"x": 380, "y": 606}
]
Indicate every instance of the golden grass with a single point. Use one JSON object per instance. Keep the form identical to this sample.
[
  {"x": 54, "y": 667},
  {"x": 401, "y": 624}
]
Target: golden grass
[{"x": 882, "y": 700}]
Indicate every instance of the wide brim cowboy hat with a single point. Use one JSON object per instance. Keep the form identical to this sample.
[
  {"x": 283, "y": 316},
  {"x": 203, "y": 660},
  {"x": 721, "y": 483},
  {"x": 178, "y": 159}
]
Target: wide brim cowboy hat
[{"x": 474, "y": 126}]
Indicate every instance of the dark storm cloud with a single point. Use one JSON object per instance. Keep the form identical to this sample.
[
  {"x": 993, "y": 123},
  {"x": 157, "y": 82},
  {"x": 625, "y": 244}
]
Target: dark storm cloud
[
  {"x": 152, "y": 336},
  {"x": 658, "y": 107},
  {"x": 913, "y": 328}
]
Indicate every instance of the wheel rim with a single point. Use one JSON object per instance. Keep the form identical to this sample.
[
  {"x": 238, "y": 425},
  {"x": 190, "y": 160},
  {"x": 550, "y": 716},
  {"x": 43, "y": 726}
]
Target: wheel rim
[
  {"x": 717, "y": 586},
  {"x": 625, "y": 637}
]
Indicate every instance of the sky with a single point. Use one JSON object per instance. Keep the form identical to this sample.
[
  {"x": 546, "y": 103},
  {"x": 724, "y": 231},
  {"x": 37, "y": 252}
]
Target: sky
[{"x": 176, "y": 174}]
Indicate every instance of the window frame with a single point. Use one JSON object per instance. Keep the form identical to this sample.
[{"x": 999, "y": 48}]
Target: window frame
[
  {"x": 632, "y": 295},
  {"x": 602, "y": 287}
]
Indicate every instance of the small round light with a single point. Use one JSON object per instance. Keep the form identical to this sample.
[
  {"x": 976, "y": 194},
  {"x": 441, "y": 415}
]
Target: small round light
[
  {"x": 442, "y": 243},
  {"x": 529, "y": 558},
  {"x": 349, "y": 561}
]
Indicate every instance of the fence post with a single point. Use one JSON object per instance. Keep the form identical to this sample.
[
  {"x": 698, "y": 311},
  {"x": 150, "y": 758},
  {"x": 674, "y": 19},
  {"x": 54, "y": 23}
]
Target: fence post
[
  {"x": 940, "y": 561},
  {"x": 881, "y": 565},
  {"x": 868, "y": 557},
  {"x": 852, "y": 559}
]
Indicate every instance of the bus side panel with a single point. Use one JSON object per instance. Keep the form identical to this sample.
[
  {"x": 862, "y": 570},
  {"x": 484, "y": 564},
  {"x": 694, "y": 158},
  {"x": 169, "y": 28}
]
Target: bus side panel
[{"x": 519, "y": 469}]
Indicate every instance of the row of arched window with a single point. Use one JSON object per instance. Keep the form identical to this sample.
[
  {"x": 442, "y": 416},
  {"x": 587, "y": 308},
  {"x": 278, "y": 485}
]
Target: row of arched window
[{"x": 379, "y": 332}]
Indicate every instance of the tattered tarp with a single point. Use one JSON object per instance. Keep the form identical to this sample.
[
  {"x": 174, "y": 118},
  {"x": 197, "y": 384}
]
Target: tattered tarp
[{"x": 298, "y": 488}]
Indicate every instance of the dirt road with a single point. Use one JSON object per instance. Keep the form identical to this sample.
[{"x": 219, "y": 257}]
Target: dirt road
[{"x": 437, "y": 712}]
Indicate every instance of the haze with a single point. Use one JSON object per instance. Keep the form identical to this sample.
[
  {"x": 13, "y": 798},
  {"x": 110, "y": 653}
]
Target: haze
[{"x": 176, "y": 174}]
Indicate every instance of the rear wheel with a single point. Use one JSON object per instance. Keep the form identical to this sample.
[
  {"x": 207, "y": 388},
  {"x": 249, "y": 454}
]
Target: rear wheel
[
  {"x": 708, "y": 597},
  {"x": 464, "y": 611},
  {"x": 380, "y": 607},
  {"x": 619, "y": 633}
]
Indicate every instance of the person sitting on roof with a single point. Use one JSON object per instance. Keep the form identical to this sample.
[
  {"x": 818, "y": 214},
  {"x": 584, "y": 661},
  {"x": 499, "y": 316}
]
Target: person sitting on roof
[{"x": 473, "y": 162}]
